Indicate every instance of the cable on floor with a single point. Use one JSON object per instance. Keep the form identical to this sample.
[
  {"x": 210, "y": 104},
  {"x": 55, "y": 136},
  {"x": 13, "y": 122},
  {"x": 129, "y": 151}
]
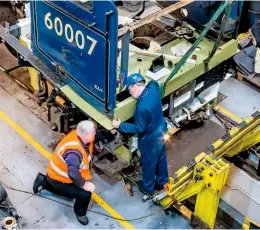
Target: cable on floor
[{"x": 103, "y": 214}]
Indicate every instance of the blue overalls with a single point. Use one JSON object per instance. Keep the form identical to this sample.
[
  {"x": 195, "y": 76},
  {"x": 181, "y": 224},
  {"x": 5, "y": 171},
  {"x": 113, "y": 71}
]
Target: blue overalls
[{"x": 150, "y": 126}]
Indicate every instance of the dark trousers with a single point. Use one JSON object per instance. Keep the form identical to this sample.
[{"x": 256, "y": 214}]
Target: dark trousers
[
  {"x": 70, "y": 191},
  {"x": 155, "y": 169}
]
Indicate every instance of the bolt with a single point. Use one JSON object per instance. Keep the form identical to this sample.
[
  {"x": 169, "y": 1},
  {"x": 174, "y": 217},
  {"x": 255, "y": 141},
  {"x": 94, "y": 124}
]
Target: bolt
[
  {"x": 202, "y": 168},
  {"x": 211, "y": 174},
  {"x": 197, "y": 177},
  {"x": 209, "y": 184},
  {"x": 198, "y": 170}
]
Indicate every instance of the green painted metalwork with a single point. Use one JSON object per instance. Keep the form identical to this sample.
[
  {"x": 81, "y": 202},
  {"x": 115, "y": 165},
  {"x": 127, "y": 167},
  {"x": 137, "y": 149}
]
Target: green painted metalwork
[
  {"x": 180, "y": 75},
  {"x": 220, "y": 36},
  {"x": 105, "y": 121},
  {"x": 125, "y": 109},
  {"x": 189, "y": 72},
  {"x": 124, "y": 154}
]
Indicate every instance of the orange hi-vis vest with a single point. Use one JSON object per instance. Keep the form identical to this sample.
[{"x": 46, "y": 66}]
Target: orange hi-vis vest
[{"x": 57, "y": 167}]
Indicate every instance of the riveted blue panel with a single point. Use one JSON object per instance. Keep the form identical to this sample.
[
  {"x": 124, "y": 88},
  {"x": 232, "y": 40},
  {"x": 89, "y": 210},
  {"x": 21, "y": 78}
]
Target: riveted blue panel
[{"x": 83, "y": 42}]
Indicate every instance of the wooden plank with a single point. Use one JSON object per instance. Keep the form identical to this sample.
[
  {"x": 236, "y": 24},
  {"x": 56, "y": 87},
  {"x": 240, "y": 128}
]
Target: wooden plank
[
  {"x": 254, "y": 80},
  {"x": 240, "y": 76},
  {"x": 154, "y": 16},
  {"x": 185, "y": 212}
]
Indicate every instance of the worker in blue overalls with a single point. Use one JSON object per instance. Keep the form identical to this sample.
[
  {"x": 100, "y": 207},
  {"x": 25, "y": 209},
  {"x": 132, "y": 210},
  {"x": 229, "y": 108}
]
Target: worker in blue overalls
[{"x": 150, "y": 126}]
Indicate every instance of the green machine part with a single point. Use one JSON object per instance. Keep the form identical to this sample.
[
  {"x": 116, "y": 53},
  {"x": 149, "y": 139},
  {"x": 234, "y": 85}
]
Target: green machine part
[
  {"x": 125, "y": 109},
  {"x": 179, "y": 76}
]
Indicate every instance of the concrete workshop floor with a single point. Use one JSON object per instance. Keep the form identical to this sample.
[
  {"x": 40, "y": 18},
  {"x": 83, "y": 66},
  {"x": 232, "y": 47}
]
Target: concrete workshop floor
[
  {"x": 242, "y": 100},
  {"x": 20, "y": 162}
]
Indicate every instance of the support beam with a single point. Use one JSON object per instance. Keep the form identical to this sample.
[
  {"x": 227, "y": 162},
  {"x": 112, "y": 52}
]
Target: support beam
[{"x": 154, "y": 16}]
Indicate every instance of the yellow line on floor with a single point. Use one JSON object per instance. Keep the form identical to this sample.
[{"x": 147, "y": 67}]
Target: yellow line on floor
[
  {"x": 47, "y": 155},
  {"x": 229, "y": 114}
]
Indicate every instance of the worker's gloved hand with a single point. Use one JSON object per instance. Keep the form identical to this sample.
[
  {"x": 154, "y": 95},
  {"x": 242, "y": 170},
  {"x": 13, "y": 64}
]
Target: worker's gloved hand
[
  {"x": 116, "y": 123},
  {"x": 89, "y": 186},
  {"x": 113, "y": 131}
]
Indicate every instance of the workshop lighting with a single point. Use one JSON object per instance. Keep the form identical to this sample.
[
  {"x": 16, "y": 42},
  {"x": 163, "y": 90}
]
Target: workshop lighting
[{"x": 167, "y": 137}]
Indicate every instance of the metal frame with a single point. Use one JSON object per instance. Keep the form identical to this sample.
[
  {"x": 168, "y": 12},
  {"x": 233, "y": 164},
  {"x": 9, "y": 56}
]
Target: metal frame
[
  {"x": 206, "y": 175},
  {"x": 125, "y": 109},
  {"x": 152, "y": 17}
]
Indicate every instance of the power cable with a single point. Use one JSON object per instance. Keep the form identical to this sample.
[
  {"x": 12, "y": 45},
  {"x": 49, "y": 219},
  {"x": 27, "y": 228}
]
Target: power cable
[{"x": 103, "y": 214}]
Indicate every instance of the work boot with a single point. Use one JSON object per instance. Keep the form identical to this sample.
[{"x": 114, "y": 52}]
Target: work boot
[
  {"x": 82, "y": 219},
  {"x": 158, "y": 187},
  {"x": 38, "y": 183},
  {"x": 141, "y": 188}
]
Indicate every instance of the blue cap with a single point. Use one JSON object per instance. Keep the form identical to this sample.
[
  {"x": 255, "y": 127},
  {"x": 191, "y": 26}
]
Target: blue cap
[{"x": 134, "y": 78}]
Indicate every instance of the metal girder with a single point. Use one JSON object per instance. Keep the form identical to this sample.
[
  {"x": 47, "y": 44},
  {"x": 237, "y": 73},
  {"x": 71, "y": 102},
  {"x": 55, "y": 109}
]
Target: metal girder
[
  {"x": 214, "y": 177},
  {"x": 207, "y": 174},
  {"x": 207, "y": 182}
]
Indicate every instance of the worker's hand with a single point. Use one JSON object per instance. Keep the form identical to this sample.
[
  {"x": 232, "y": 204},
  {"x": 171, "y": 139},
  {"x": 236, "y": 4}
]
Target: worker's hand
[
  {"x": 89, "y": 186},
  {"x": 113, "y": 131},
  {"x": 116, "y": 123}
]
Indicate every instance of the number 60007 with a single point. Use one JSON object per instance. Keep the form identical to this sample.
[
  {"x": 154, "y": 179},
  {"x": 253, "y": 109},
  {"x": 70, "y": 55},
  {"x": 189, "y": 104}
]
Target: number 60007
[{"x": 69, "y": 33}]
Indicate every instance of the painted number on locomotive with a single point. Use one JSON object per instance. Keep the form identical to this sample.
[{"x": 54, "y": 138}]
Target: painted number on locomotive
[{"x": 68, "y": 32}]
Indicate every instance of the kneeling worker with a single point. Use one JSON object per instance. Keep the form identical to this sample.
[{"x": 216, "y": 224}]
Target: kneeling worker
[
  {"x": 150, "y": 126},
  {"x": 68, "y": 172}
]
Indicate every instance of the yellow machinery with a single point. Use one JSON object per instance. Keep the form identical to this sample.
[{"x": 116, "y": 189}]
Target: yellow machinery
[
  {"x": 206, "y": 175},
  {"x": 249, "y": 224}
]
